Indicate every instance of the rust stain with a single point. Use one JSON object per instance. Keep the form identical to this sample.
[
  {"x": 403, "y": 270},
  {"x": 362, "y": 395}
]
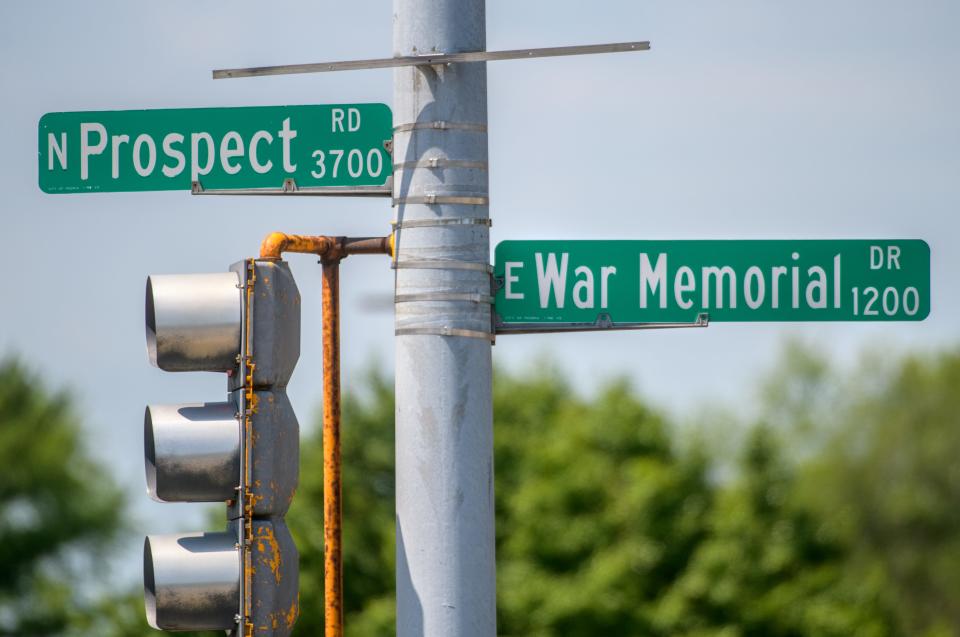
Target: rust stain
[
  {"x": 269, "y": 550},
  {"x": 294, "y": 612},
  {"x": 331, "y": 251}
]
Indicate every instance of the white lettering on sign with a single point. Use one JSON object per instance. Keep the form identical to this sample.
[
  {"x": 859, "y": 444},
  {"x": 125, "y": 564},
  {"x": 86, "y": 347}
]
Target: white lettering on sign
[
  {"x": 754, "y": 279},
  {"x": 713, "y": 287},
  {"x": 653, "y": 278},
  {"x": 719, "y": 275},
  {"x": 605, "y": 272},
  {"x": 195, "y": 169},
  {"x": 58, "y": 148},
  {"x": 231, "y": 146},
  {"x": 173, "y": 153},
  {"x": 287, "y": 136},
  {"x": 205, "y": 151},
  {"x": 509, "y": 278},
  {"x": 583, "y": 288},
  {"x": 115, "y": 142},
  {"x": 138, "y": 144},
  {"x": 836, "y": 281},
  {"x": 682, "y": 283},
  {"x": 890, "y": 260},
  {"x": 86, "y": 149},
  {"x": 353, "y": 119},
  {"x": 254, "y": 160},
  {"x": 551, "y": 278},
  {"x": 818, "y": 287}
]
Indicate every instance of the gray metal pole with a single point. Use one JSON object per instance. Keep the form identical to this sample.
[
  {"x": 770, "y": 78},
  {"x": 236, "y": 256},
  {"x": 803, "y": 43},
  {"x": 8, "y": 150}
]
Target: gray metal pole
[{"x": 444, "y": 435}]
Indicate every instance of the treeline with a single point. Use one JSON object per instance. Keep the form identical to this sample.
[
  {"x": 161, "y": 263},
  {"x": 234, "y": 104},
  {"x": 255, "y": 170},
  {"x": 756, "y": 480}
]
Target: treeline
[{"x": 835, "y": 514}]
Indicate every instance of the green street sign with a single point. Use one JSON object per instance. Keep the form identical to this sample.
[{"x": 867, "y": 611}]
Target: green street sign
[
  {"x": 619, "y": 282},
  {"x": 260, "y": 147}
]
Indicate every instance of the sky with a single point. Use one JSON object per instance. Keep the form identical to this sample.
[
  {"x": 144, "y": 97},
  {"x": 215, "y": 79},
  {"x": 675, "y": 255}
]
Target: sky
[{"x": 747, "y": 119}]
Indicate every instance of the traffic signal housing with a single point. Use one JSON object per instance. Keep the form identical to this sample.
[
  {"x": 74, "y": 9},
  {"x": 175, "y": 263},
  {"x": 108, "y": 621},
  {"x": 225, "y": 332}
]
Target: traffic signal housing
[{"x": 243, "y": 451}]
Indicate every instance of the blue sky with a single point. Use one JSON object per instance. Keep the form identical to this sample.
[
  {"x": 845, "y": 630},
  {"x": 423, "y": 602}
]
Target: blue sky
[{"x": 747, "y": 119}]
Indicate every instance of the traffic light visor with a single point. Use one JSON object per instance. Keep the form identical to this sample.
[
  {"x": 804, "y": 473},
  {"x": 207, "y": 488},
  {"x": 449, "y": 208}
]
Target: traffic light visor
[
  {"x": 191, "y": 581},
  {"x": 192, "y": 452},
  {"x": 193, "y": 321}
]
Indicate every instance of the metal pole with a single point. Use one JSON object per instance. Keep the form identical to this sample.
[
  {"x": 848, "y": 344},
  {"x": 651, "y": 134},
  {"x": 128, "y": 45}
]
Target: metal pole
[
  {"x": 332, "y": 549},
  {"x": 444, "y": 434}
]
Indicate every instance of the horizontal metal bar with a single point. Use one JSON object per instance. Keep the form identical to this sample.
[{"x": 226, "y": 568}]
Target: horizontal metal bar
[
  {"x": 703, "y": 320},
  {"x": 311, "y": 191},
  {"x": 430, "y": 59}
]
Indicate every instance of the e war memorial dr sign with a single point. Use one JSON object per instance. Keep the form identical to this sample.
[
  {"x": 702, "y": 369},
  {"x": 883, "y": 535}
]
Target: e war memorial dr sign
[
  {"x": 258, "y": 147},
  {"x": 675, "y": 281}
]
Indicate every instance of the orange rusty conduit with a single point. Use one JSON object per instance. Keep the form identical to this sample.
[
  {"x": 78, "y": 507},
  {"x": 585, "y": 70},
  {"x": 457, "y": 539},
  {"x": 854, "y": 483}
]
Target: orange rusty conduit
[{"x": 331, "y": 251}]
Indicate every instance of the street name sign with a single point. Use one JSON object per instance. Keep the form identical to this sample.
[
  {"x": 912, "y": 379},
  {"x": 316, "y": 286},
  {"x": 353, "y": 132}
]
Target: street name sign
[
  {"x": 252, "y": 147},
  {"x": 622, "y": 282}
]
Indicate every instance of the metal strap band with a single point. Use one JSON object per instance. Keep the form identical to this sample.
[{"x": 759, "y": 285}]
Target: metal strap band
[
  {"x": 443, "y": 221},
  {"x": 472, "y": 297},
  {"x": 440, "y": 125},
  {"x": 443, "y": 331},
  {"x": 467, "y": 200},
  {"x": 441, "y": 264},
  {"x": 440, "y": 162}
]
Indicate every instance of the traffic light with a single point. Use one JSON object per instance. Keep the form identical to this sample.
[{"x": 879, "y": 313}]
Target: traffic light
[{"x": 243, "y": 451}]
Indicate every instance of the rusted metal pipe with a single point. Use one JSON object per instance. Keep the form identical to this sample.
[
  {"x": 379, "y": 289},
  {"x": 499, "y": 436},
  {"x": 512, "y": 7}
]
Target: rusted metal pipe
[
  {"x": 277, "y": 242},
  {"x": 325, "y": 247},
  {"x": 331, "y": 251},
  {"x": 332, "y": 511}
]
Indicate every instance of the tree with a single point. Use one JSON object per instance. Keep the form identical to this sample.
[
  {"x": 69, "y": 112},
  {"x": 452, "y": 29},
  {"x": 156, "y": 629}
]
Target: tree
[
  {"x": 594, "y": 510},
  {"x": 605, "y": 525},
  {"x": 766, "y": 567},
  {"x": 59, "y": 511},
  {"x": 887, "y": 481}
]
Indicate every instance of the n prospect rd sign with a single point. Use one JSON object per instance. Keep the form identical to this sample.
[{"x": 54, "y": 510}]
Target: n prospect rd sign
[
  {"x": 256, "y": 147},
  {"x": 616, "y": 282}
]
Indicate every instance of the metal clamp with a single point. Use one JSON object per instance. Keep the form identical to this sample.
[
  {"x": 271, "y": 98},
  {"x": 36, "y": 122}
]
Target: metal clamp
[
  {"x": 472, "y": 297},
  {"x": 440, "y": 125},
  {"x": 442, "y": 221},
  {"x": 432, "y": 199},
  {"x": 440, "y": 162},
  {"x": 441, "y": 264},
  {"x": 444, "y": 331}
]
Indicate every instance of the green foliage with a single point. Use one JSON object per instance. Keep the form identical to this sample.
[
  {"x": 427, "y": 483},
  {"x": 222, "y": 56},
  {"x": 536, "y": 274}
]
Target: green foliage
[
  {"x": 887, "y": 481},
  {"x": 596, "y": 513},
  {"x": 766, "y": 568},
  {"x": 59, "y": 511},
  {"x": 838, "y": 517},
  {"x": 603, "y": 526},
  {"x": 368, "y": 511}
]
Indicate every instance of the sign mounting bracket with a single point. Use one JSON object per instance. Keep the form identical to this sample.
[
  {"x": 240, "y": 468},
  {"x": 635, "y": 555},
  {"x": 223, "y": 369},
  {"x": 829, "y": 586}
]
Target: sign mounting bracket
[
  {"x": 603, "y": 323},
  {"x": 430, "y": 59}
]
